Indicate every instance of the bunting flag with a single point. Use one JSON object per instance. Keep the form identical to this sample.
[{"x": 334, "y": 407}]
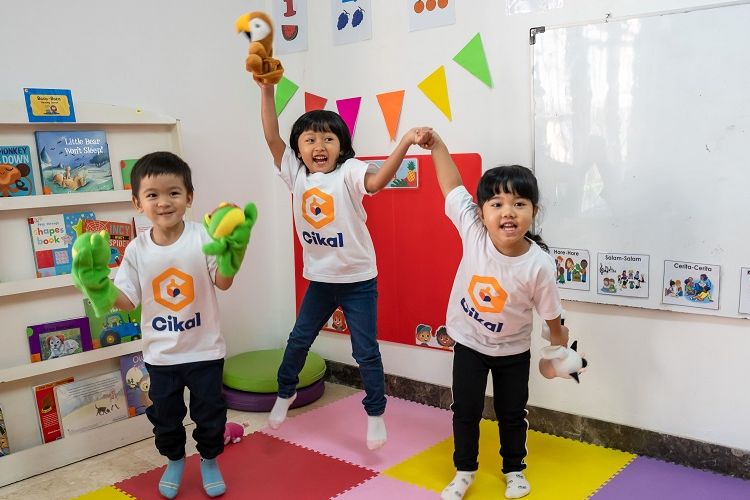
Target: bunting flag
[
  {"x": 349, "y": 110},
  {"x": 391, "y": 104},
  {"x": 314, "y": 102},
  {"x": 285, "y": 89},
  {"x": 473, "y": 60},
  {"x": 435, "y": 88}
]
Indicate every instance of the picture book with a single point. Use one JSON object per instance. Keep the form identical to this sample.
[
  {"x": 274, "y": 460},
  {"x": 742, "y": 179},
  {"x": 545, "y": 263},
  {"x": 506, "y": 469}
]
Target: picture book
[
  {"x": 59, "y": 338},
  {"x": 46, "y": 410},
  {"x": 4, "y": 446},
  {"x": 90, "y": 403},
  {"x": 74, "y": 161},
  {"x": 137, "y": 381},
  {"x": 120, "y": 234},
  {"x": 52, "y": 238},
  {"x": 16, "y": 178},
  {"x": 115, "y": 327},
  {"x": 126, "y": 166}
]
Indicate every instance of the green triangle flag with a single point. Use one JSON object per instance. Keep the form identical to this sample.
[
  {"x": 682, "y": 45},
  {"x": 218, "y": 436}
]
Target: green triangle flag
[
  {"x": 285, "y": 89},
  {"x": 473, "y": 60}
]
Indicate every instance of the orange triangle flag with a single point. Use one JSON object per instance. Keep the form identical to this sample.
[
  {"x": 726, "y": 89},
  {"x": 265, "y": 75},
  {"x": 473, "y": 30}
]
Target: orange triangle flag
[
  {"x": 391, "y": 104},
  {"x": 313, "y": 102}
]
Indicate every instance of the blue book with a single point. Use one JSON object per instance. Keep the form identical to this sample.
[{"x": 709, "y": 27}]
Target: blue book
[
  {"x": 74, "y": 161},
  {"x": 16, "y": 178}
]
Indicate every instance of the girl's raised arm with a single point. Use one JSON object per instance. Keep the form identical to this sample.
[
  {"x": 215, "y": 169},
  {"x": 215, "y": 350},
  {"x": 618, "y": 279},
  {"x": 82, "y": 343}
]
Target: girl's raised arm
[
  {"x": 446, "y": 171},
  {"x": 271, "y": 123}
]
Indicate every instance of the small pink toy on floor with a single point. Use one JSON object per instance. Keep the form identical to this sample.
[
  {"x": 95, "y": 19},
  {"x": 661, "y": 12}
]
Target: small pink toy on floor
[{"x": 233, "y": 433}]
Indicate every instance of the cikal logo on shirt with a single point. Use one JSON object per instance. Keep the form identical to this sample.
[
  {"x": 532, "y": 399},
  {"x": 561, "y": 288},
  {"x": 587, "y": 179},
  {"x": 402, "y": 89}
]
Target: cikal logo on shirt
[
  {"x": 487, "y": 296},
  {"x": 174, "y": 290},
  {"x": 318, "y": 210}
]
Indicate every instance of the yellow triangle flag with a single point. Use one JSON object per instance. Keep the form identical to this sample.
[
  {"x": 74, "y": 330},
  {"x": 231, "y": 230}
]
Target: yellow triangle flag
[
  {"x": 435, "y": 88},
  {"x": 391, "y": 104}
]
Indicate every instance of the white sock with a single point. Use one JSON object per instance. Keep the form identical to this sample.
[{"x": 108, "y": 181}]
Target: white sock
[
  {"x": 516, "y": 485},
  {"x": 456, "y": 489},
  {"x": 376, "y": 434},
  {"x": 278, "y": 412}
]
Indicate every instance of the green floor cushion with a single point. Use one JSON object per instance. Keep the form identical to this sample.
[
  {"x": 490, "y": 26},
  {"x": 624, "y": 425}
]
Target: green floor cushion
[{"x": 255, "y": 371}]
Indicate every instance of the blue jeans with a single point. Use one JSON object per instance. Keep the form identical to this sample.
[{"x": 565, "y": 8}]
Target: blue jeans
[{"x": 360, "y": 304}]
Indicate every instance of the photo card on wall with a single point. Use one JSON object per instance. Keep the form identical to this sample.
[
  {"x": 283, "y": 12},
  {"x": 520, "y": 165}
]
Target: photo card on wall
[
  {"x": 691, "y": 284},
  {"x": 573, "y": 268},
  {"x": 622, "y": 275}
]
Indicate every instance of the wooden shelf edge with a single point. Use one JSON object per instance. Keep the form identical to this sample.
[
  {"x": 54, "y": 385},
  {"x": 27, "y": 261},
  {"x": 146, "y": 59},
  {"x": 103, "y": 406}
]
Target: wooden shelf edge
[
  {"x": 65, "y": 200},
  {"x": 28, "y": 370},
  {"x": 46, "y": 457},
  {"x": 87, "y": 113},
  {"x": 18, "y": 287}
]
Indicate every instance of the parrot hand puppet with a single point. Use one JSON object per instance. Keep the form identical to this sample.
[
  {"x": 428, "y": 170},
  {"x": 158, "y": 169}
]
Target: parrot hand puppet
[
  {"x": 229, "y": 226},
  {"x": 260, "y": 61}
]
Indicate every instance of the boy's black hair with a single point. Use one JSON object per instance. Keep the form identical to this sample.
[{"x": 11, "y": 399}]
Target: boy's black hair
[
  {"x": 160, "y": 163},
  {"x": 513, "y": 179},
  {"x": 322, "y": 120}
]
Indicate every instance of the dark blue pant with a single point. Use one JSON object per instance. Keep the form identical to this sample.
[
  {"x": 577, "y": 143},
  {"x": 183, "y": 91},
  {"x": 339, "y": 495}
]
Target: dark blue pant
[
  {"x": 510, "y": 385},
  {"x": 207, "y": 407},
  {"x": 360, "y": 303}
]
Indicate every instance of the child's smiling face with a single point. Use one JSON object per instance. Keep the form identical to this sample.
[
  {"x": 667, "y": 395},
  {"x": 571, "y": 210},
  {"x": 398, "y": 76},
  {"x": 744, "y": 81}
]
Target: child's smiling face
[
  {"x": 319, "y": 151},
  {"x": 507, "y": 218}
]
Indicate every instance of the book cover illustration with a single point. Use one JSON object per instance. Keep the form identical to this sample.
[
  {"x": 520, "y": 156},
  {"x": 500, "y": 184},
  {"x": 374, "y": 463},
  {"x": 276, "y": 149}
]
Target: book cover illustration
[
  {"x": 59, "y": 338},
  {"x": 126, "y": 166},
  {"x": 120, "y": 234},
  {"x": 74, "y": 161},
  {"x": 49, "y": 105},
  {"x": 137, "y": 381},
  {"x": 115, "y": 327},
  {"x": 16, "y": 178},
  {"x": 4, "y": 445},
  {"x": 52, "y": 238},
  {"x": 46, "y": 410},
  {"x": 90, "y": 403}
]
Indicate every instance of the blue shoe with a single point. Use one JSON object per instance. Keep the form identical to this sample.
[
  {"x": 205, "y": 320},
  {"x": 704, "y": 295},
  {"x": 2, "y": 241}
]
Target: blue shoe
[
  {"x": 170, "y": 480},
  {"x": 213, "y": 483}
]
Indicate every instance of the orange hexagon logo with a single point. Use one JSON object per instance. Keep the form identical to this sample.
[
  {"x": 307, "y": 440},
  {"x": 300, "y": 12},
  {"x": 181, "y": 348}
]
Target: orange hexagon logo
[
  {"x": 317, "y": 208},
  {"x": 487, "y": 294},
  {"x": 173, "y": 289}
]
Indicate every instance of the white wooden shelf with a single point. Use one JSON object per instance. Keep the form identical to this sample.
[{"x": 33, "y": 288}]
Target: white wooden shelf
[
  {"x": 87, "y": 113},
  {"x": 46, "y": 457},
  {"x": 52, "y": 365},
  {"x": 37, "y": 284},
  {"x": 64, "y": 200}
]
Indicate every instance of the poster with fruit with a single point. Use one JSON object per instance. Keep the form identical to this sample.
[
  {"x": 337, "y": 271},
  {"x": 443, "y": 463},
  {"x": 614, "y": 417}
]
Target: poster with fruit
[
  {"x": 290, "y": 20},
  {"x": 427, "y": 14},
  {"x": 417, "y": 250},
  {"x": 407, "y": 175},
  {"x": 351, "y": 21}
]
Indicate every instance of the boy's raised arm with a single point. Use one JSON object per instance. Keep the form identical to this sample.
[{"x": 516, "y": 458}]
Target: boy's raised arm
[{"x": 271, "y": 123}]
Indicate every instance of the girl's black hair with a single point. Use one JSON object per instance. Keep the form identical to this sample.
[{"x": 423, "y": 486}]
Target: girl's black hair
[
  {"x": 321, "y": 120},
  {"x": 513, "y": 179},
  {"x": 160, "y": 163}
]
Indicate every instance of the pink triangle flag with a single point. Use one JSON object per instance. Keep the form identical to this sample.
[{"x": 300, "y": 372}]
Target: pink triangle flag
[
  {"x": 314, "y": 102},
  {"x": 349, "y": 109}
]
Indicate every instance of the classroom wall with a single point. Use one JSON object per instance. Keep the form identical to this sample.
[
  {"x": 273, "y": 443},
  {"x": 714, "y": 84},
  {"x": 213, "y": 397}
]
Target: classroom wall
[{"x": 661, "y": 371}]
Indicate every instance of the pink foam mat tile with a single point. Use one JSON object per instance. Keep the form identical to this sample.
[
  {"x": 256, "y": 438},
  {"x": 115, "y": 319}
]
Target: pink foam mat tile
[
  {"x": 649, "y": 479},
  {"x": 384, "y": 487},
  {"x": 340, "y": 431}
]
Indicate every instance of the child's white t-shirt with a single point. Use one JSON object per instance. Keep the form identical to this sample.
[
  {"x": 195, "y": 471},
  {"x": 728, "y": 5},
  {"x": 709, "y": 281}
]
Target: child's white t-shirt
[
  {"x": 174, "y": 284},
  {"x": 330, "y": 220},
  {"x": 490, "y": 304}
]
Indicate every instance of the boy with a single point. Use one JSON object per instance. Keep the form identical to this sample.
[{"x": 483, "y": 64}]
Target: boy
[{"x": 165, "y": 271}]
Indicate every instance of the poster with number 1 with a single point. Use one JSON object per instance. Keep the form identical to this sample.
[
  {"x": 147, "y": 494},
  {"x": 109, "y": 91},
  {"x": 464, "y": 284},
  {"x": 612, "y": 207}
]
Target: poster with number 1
[{"x": 290, "y": 21}]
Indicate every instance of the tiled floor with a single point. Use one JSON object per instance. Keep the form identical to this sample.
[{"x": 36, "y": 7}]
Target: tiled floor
[
  {"x": 319, "y": 453},
  {"x": 109, "y": 468}
]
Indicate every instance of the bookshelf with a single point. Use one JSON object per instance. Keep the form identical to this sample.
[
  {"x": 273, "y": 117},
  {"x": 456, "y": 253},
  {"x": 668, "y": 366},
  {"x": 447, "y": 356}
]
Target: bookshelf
[{"x": 26, "y": 300}]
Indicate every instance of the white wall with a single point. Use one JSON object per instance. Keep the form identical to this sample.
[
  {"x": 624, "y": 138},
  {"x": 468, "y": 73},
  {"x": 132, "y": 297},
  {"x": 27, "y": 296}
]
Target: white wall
[{"x": 657, "y": 370}]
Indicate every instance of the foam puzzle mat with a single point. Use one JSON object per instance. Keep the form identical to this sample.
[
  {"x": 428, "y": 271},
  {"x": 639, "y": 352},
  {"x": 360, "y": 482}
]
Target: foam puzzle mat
[{"x": 321, "y": 454}]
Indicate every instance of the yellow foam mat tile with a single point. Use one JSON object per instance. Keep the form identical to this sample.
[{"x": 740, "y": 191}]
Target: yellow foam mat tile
[
  {"x": 557, "y": 468},
  {"x": 106, "y": 493}
]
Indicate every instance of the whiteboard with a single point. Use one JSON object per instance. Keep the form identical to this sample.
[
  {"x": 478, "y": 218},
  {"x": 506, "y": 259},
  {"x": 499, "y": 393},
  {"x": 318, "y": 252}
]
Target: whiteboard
[{"x": 642, "y": 146}]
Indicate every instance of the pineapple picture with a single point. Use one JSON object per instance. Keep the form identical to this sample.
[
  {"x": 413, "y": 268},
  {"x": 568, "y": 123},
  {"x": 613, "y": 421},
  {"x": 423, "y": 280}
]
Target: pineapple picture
[{"x": 411, "y": 176}]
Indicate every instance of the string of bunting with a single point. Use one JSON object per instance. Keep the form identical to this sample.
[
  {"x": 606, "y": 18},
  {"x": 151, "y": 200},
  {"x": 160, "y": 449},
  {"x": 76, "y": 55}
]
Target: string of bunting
[{"x": 435, "y": 87}]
